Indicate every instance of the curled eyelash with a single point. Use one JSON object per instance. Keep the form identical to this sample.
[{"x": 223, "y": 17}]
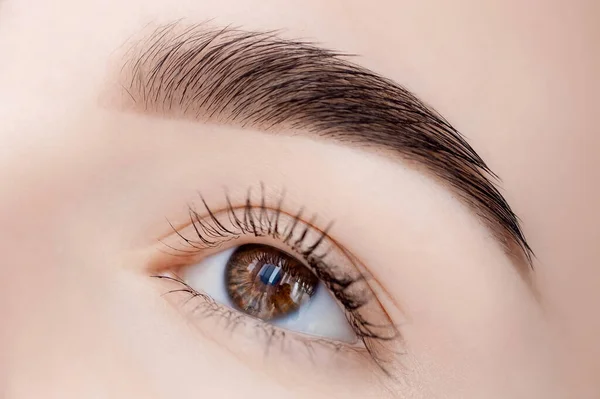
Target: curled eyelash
[{"x": 351, "y": 288}]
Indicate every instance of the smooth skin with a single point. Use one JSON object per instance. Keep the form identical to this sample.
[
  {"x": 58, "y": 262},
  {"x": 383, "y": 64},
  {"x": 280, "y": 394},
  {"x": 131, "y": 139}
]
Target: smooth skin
[{"x": 86, "y": 188}]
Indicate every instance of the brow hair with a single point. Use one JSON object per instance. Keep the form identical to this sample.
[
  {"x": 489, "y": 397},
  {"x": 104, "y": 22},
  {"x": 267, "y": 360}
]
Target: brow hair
[{"x": 257, "y": 79}]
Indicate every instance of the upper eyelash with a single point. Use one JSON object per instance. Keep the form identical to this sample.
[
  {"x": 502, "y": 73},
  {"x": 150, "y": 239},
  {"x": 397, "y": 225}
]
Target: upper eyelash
[
  {"x": 255, "y": 220},
  {"x": 263, "y": 225}
]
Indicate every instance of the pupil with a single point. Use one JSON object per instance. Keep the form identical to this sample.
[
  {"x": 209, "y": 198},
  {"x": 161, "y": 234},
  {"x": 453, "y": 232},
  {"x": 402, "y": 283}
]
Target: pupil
[
  {"x": 270, "y": 274},
  {"x": 267, "y": 283}
]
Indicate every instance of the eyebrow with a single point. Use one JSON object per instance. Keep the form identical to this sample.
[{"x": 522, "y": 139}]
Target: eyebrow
[{"x": 260, "y": 80}]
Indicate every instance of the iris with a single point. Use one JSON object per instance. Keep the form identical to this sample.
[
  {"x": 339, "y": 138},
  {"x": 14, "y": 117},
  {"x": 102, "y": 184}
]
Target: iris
[{"x": 268, "y": 283}]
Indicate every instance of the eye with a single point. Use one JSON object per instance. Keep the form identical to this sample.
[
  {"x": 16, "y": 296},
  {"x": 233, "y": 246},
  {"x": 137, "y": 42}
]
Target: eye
[
  {"x": 273, "y": 279},
  {"x": 269, "y": 284}
]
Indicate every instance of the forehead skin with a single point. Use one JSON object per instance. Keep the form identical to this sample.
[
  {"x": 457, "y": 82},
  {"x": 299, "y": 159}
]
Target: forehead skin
[{"x": 519, "y": 78}]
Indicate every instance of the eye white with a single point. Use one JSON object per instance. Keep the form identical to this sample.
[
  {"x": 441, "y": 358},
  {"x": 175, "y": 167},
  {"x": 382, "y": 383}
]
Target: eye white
[{"x": 321, "y": 316}]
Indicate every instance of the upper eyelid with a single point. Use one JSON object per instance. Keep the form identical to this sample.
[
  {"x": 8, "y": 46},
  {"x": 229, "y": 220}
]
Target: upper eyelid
[
  {"x": 272, "y": 329},
  {"x": 228, "y": 75},
  {"x": 248, "y": 204},
  {"x": 212, "y": 214},
  {"x": 216, "y": 211}
]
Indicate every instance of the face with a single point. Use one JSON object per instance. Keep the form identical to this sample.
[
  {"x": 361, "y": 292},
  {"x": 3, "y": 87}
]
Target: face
[{"x": 211, "y": 199}]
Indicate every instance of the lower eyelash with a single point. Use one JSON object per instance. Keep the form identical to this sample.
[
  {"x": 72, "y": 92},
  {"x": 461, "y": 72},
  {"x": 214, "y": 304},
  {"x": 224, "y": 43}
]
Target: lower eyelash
[{"x": 205, "y": 307}]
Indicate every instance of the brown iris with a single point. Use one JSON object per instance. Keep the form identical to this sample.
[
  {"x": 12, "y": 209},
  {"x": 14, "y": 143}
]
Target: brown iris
[{"x": 266, "y": 282}]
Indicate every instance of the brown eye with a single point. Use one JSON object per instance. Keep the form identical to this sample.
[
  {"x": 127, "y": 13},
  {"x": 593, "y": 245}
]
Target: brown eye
[
  {"x": 271, "y": 286},
  {"x": 267, "y": 283}
]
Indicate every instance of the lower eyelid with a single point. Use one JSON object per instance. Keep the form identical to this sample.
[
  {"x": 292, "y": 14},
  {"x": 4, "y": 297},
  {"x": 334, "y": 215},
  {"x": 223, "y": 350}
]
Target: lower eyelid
[
  {"x": 226, "y": 326},
  {"x": 288, "y": 358}
]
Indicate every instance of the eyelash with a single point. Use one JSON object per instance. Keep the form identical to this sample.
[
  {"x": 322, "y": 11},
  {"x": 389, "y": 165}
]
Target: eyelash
[{"x": 263, "y": 221}]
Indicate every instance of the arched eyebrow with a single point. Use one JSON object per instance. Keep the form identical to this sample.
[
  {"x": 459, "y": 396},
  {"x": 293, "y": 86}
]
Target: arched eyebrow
[{"x": 260, "y": 80}]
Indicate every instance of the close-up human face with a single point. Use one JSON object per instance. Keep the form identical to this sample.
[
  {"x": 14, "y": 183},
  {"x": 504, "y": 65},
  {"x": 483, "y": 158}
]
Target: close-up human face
[{"x": 301, "y": 199}]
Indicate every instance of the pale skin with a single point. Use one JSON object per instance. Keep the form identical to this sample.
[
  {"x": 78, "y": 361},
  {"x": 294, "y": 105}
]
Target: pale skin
[{"x": 87, "y": 187}]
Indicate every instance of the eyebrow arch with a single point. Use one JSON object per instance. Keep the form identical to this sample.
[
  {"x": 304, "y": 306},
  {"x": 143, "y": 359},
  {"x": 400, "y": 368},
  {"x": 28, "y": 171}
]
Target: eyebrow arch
[{"x": 260, "y": 80}]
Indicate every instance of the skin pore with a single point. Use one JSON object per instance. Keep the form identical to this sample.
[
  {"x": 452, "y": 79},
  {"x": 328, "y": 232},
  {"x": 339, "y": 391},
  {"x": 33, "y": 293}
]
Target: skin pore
[{"x": 95, "y": 180}]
